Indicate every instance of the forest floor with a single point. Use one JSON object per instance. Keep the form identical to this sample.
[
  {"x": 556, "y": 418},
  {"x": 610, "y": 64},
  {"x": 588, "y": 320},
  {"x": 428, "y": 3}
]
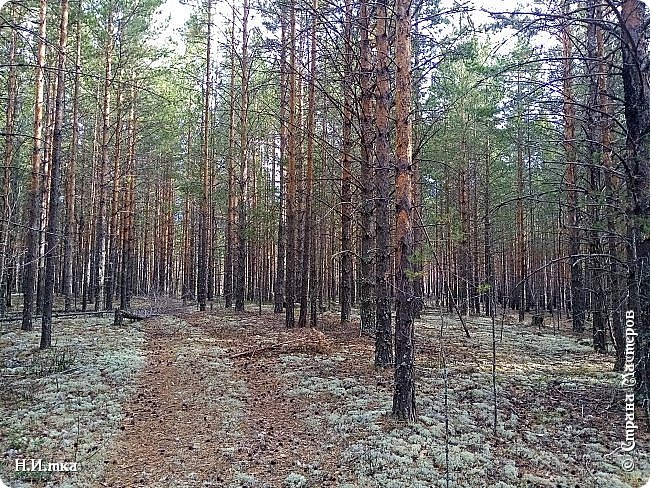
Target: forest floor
[{"x": 218, "y": 399}]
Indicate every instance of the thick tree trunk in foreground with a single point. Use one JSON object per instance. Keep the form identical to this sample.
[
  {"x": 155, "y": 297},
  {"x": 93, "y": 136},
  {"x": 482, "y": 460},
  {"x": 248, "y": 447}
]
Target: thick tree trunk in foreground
[
  {"x": 595, "y": 152},
  {"x": 404, "y": 395},
  {"x": 384, "y": 336},
  {"x": 637, "y": 121}
]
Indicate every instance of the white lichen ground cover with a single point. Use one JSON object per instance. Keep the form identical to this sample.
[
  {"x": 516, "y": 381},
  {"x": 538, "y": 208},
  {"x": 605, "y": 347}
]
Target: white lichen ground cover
[
  {"x": 201, "y": 417},
  {"x": 553, "y": 427},
  {"x": 64, "y": 404}
]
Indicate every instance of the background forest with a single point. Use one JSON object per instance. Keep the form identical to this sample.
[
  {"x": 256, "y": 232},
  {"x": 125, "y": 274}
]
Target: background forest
[{"x": 377, "y": 162}]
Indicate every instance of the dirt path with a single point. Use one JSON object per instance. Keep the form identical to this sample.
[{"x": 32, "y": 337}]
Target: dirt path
[
  {"x": 201, "y": 419},
  {"x": 169, "y": 430}
]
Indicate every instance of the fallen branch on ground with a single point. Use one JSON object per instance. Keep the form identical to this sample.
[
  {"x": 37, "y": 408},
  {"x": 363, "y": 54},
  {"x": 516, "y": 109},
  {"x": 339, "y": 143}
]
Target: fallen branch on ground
[
  {"x": 120, "y": 315},
  {"x": 313, "y": 341}
]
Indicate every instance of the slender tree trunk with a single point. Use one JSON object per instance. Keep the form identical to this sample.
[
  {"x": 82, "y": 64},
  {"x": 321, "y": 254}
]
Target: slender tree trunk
[
  {"x": 278, "y": 288},
  {"x": 113, "y": 229},
  {"x": 367, "y": 181},
  {"x": 464, "y": 261},
  {"x": 70, "y": 231},
  {"x": 572, "y": 221},
  {"x": 345, "y": 286},
  {"x": 307, "y": 287},
  {"x": 55, "y": 183},
  {"x": 128, "y": 218},
  {"x": 383, "y": 337},
  {"x": 490, "y": 282},
  {"x": 230, "y": 220},
  {"x": 521, "y": 238},
  {"x": 404, "y": 395},
  {"x": 291, "y": 175},
  {"x": 612, "y": 189},
  {"x": 6, "y": 212},
  {"x": 205, "y": 204},
  {"x": 240, "y": 274},
  {"x": 34, "y": 207},
  {"x": 100, "y": 218},
  {"x": 44, "y": 197}
]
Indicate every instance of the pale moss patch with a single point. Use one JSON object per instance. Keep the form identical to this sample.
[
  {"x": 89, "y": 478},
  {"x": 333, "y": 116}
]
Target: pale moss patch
[
  {"x": 295, "y": 480},
  {"x": 555, "y": 442},
  {"x": 511, "y": 471},
  {"x": 245, "y": 480},
  {"x": 72, "y": 412}
]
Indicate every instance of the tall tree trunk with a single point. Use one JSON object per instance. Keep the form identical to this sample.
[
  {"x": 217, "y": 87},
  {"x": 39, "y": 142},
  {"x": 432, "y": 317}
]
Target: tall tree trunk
[
  {"x": 128, "y": 218},
  {"x": 572, "y": 221},
  {"x": 113, "y": 229},
  {"x": 404, "y": 395},
  {"x": 383, "y": 337},
  {"x": 278, "y": 288},
  {"x": 490, "y": 281},
  {"x": 6, "y": 212},
  {"x": 34, "y": 206},
  {"x": 99, "y": 259},
  {"x": 595, "y": 151},
  {"x": 307, "y": 287},
  {"x": 230, "y": 220},
  {"x": 55, "y": 183},
  {"x": 240, "y": 273},
  {"x": 464, "y": 261},
  {"x": 291, "y": 175},
  {"x": 345, "y": 286},
  {"x": 612, "y": 205},
  {"x": 637, "y": 121},
  {"x": 44, "y": 198},
  {"x": 519, "y": 268},
  {"x": 70, "y": 230},
  {"x": 205, "y": 203},
  {"x": 367, "y": 183}
]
